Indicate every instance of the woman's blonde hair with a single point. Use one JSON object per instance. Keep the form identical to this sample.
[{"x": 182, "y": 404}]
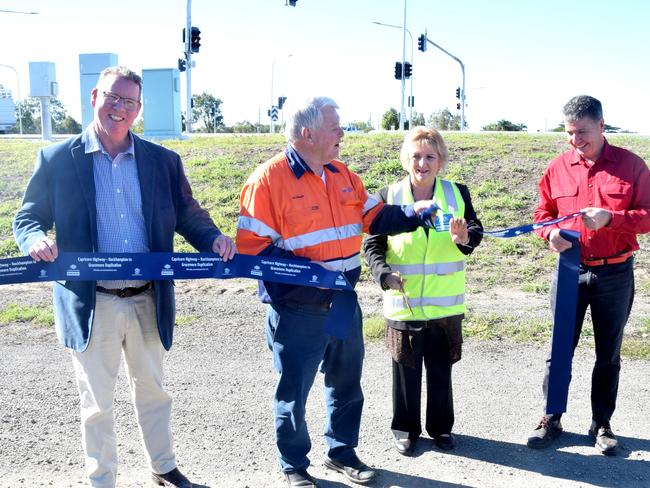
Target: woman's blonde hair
[{"x": 424, "y": 135}]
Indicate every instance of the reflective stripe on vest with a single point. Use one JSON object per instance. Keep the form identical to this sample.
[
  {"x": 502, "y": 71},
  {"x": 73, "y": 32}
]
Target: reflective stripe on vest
[
  {"x": 398, "y": 301},
  {"x": 433, "y": 267}
]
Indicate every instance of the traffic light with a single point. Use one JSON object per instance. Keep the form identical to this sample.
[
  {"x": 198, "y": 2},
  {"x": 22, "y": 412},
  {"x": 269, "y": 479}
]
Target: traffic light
[
  {"x": 195, "y": 40},
  {"x": 408, "y": 69},
  {"x": 422, "y": 43},
  {"x": 281, "y": 101},
  {"x": 398, "y": 70},
  {"x": 458, "y": 93},
  {"x": 181, "y": 65}
]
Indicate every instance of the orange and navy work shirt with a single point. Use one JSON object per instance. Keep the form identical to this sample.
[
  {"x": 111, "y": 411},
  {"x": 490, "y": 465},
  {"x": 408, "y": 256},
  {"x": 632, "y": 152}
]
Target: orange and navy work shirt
[{"x": 286, "y": 210}]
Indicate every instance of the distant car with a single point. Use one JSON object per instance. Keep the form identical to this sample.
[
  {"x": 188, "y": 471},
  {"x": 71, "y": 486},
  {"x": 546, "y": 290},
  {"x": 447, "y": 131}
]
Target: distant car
[
  {"x": 350, "y": 128},
  {"x": 7, "y": 111}
]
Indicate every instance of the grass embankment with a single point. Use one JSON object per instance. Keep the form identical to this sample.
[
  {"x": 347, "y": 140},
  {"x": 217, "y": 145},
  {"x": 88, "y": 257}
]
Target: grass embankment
[{"x": 501, "y": 170}]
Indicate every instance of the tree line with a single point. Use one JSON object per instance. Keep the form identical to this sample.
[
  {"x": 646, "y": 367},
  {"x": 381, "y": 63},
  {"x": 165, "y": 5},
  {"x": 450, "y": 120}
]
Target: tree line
[{"x": 206, "y": 109}]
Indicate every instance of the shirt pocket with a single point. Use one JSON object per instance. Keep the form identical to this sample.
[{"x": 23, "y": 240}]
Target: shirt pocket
[
  {"x": 565, "y": 196},
  {"x": 615, "y": 196},
  {"x": 298, "y": 222},
  {"x": 352, "y": 210}
]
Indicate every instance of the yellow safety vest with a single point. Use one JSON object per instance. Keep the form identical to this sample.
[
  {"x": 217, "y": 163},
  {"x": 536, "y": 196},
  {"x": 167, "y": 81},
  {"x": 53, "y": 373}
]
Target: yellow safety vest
[{"x": 433, "y": 267}]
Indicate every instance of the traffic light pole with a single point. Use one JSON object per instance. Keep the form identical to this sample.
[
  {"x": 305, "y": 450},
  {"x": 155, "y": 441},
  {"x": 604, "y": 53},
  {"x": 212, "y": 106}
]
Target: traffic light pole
[
  {"x": 402, "y": 114},
  {"x": 462, "y": 92},
  {"x": 411, "y": 77},
  {"x": 188, "y": 69}
]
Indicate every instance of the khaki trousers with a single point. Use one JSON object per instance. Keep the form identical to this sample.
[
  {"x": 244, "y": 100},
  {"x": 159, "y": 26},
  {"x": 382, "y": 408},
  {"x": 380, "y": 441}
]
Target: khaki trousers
[{"x": 123, "y": 325}]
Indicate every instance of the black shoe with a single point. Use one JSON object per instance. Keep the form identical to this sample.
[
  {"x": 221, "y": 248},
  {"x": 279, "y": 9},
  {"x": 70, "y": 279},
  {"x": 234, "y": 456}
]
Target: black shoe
[
  {"x": 446, "y": 442},
  {"x": 173, "y": 479},
  {"x": 354, "y": 470},
  {"x": 300, "y": 479},
  {"x": 604, "y": 439},
  {"x": 546, "y": 431},
  {"x": 405, "y": 446}
]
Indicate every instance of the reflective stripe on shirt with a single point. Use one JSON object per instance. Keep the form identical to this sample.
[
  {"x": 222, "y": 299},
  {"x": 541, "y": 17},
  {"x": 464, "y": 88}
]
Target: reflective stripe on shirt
[
  {"x": 260, "y": 228},
  {"x": 320, "y": 236}
]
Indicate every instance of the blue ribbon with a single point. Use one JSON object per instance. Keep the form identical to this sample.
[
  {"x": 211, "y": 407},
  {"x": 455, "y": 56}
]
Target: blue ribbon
[
  {"x": 172, "y": 266},
  {"x": 564, "y": 317},
  {"x": 566, "y": 301},
  {"x": 168, "y": 266}
]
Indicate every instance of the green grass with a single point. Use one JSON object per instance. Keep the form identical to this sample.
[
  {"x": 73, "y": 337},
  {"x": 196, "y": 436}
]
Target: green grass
[
  {"x": 13, "y": 312},
  {"x": 374, "y": 328},
  {"x": 495, "y": 326},
  {"x": 186, "y": 319},
  {"x": 500, "y": 326},
  {"x": 500, "y": 169}
]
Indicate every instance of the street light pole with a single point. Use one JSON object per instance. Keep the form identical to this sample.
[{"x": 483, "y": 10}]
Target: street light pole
[
  {"x": 462, "y": 93},
  {"x": 411, "y": 79},
  {"x": 20, "y": 107}
]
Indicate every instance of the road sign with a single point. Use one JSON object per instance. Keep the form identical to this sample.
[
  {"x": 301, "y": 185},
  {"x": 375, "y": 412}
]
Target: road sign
[{"x": 274, "y": 114}]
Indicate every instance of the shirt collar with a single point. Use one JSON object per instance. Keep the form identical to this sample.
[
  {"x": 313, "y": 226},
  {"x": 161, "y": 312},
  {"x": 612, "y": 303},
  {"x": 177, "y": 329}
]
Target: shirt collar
[
  {"x": 605, "y": 155},
  {"x": 298, "y": 165},
  {"x": 93, "y": 144}
]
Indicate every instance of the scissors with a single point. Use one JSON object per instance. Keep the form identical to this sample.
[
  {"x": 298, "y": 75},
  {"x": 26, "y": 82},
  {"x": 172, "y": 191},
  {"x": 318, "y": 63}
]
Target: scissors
[{"x": 405, "y": 298}]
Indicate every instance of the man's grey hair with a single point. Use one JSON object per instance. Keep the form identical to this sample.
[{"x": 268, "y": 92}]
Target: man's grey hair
[
  {"x": 122, "y": 72},
  {"x": 583, "y": 106},
  {"x": 306, "y": 114}
]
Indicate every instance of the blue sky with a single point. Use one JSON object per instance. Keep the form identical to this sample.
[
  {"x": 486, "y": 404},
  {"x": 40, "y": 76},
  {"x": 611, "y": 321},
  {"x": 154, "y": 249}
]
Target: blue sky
[{"x": 523, "y": 60}]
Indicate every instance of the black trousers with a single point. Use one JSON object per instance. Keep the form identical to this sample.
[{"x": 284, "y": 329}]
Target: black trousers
[
  {"x": 609, "y": 292},
  {"x": 430, "y": 347}
]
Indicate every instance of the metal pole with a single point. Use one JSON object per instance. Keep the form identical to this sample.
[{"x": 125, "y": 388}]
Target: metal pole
[
  {"x": 462, "y": 100},
  {"x": 272, "y": 123},
  {"x": 462, "y": 93},
  {"x": 20, "y": 107},
  {"x": 46, "y": 119},
  {"x": 411, "y": 82},
  {"x": 188, "y": 69},
  {"x": 411, "y": 101},
  {"x": 402, "y": 115}
]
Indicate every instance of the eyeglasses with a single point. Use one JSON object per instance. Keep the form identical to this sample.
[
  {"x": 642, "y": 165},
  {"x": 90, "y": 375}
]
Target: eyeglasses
[{"x": 129, "y": 104}]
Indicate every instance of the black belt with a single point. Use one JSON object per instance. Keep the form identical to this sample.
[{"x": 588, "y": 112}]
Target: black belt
[{"x": 125, "y": 292}]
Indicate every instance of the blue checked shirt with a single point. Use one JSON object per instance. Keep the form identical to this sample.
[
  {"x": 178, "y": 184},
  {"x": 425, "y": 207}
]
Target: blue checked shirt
[{"x": 120, "y": 223}]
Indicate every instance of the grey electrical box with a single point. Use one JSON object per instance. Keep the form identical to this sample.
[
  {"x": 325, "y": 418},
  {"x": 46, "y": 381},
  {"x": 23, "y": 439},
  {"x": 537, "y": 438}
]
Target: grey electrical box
[
  {"x": 90, "y": 66},
  {"x": 42, "y": 79},
  {"x": 162, "y": 103}
]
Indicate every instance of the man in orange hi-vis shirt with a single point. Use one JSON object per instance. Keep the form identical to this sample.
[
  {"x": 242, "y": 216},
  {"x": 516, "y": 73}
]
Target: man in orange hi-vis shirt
[{"x": 305, "y": 204}]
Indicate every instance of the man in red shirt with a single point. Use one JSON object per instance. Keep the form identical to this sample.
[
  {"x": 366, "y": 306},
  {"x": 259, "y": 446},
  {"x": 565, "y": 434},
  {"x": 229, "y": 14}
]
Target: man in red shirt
[{"x": 611, "y": 187}]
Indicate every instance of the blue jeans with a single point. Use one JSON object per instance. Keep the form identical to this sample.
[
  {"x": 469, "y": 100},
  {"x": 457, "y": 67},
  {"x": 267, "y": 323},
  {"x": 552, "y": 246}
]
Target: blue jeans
[
  {"x": 300, "y": 345},
  {"x": 609, "y": 291}
]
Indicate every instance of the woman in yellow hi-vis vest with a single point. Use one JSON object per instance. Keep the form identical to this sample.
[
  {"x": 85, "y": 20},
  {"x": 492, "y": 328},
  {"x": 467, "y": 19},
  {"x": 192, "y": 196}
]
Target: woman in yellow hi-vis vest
[{"x": 422, "y": 274}]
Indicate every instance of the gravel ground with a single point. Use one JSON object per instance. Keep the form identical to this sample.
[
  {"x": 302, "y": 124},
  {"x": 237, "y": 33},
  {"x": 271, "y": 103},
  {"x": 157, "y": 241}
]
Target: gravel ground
[{"x": 220, "y": 375}]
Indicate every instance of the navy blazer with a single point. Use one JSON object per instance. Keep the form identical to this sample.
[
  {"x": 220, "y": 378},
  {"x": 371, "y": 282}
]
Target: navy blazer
[{"x": 61, "y": 194}]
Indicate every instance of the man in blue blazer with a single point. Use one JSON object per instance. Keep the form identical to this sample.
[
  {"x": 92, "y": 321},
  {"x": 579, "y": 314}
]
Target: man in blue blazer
[{"x": 109, "y": 191}]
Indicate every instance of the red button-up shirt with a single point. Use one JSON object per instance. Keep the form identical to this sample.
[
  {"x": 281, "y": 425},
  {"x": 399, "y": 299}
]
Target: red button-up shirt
[{"x": 618, "y": 182}]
